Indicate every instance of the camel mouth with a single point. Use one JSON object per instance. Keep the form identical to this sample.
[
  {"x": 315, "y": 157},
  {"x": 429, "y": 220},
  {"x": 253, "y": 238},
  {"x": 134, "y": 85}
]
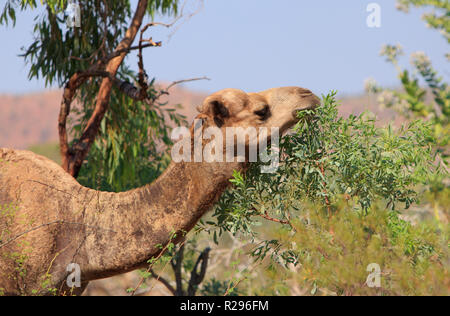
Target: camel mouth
[
  {"x": 297, "y": 111},
  {"x": 315, "y": 102}
]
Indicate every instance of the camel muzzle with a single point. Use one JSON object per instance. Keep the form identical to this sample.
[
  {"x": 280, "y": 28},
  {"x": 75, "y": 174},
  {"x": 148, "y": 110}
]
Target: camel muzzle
[{"x": 312, "y": 103}]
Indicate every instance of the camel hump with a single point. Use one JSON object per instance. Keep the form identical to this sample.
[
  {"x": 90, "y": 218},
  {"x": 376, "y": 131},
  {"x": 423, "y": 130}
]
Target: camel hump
[
  {"x": 12, "y": 155},
  {"x": 25, "y": 157},
  {"x": 26, "y": 164}
]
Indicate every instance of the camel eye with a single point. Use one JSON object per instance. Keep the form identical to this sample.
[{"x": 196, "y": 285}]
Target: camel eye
[{"x": 263, "y": 113}]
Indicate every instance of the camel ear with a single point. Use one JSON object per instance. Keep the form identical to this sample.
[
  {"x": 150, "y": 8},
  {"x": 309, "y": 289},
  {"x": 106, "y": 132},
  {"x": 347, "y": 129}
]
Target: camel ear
[
  {"x": 216, "y": 109},
  {"x": 220, "y": 112}
]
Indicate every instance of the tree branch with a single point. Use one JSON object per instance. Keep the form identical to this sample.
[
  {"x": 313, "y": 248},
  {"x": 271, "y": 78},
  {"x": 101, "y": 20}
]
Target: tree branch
[
  {"x": 136, "y": 94},
  {"x": 177, "y": 263},
  {"x": 69, "y": 93},
  {"x": 276, "y": 220},
  {"x": 81, "y": 147},
  {"x": 107, "y": 67},
  {"x": 165, "y": 91},
  {"x": 197, "y": 277},
  {"x": 129, "y": 49}
]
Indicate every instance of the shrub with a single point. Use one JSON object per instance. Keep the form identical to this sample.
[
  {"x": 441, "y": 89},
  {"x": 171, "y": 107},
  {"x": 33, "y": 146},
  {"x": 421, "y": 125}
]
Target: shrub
[{"x": 337, "y": 196}]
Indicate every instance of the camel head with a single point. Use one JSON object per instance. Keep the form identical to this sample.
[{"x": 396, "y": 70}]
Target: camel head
[
  {"x": 253, "y": 117},
  {"x": 276, "y": 107}
]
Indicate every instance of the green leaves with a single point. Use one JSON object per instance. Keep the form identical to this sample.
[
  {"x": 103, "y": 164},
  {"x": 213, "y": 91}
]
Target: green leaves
[
  {"x": 9, "y": 10},
  {"x": 438, "y": 18},
  {"x": 58, "y": 51},
  {"x": 337, "y": 194},
  {"x": 327, "y": 160},
  {"x": 238, "y": 179},
  {"x": 414, "y": 100}
]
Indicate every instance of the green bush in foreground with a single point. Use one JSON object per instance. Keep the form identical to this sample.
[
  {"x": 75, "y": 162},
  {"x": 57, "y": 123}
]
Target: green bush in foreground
[
  {"x": 333, "y": 255},
  {"x": 335, "y": 200}
]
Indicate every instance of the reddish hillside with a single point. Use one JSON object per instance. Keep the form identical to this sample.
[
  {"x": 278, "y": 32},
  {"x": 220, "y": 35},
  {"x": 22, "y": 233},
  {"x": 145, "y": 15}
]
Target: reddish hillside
[
  {"x": 28, "y": 119},
  {"x": 31, "y": 119}
]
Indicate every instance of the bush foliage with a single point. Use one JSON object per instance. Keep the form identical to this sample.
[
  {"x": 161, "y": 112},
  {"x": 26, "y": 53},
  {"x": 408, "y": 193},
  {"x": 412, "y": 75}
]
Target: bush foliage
[{"x": 338, "y": 195}]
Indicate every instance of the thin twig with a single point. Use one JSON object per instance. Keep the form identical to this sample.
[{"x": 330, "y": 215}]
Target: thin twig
[
  {"x": 164, "y": 282},
  {"x": 165, "y": 91},
  {"x": 232, "y": 286},
  {"x": 128, "y": 49},
  {"x": 276, "y": 220},
  {"x": 327, "y": 201},
  {"x": 186, "y": 80},
  {"x": 188, "y": 18},
  {"x": 133, "y": 292}
]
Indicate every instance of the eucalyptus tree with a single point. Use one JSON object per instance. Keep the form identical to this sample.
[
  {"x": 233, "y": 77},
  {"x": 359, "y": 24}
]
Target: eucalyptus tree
[{"x": 114, "y": 126}]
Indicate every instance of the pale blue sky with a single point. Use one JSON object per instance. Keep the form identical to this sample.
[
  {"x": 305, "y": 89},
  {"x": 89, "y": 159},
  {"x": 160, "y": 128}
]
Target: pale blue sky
[{"x": 258, "y": 44}]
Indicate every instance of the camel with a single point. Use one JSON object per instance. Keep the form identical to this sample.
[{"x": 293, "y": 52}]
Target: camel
[{"x": 49, "y": 221}]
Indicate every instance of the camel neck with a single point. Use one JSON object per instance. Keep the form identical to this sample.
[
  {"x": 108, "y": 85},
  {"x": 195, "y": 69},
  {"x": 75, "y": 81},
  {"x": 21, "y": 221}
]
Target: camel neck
[{"x": 136, "y": 223}]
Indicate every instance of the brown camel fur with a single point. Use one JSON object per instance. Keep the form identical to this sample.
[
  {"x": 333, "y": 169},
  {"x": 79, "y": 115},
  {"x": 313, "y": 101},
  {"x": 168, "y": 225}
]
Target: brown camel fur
[{"x": 48, "y": 220}]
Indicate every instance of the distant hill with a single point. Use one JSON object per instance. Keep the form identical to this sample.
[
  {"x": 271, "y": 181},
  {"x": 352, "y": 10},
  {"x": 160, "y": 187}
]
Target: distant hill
[{"x": 31, "y": 119}]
